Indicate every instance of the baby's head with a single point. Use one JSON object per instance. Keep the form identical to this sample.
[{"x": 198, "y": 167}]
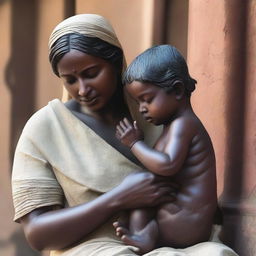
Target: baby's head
[{"x": 162, "y": 66}]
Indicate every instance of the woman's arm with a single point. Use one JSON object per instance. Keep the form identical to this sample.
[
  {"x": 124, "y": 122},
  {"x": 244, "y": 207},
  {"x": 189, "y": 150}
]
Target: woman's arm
[{"x": 46, "y": 228}]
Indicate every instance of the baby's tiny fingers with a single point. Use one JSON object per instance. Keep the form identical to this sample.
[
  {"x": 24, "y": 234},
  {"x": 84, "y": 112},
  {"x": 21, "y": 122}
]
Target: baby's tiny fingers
[
  {"x": 119, "y": 129},
  {"x": 127, "y": 122},
  {"x": 115, "y": 224},
  {"x": 122, "y": 124},
  {"x": 135, "y": 125}
]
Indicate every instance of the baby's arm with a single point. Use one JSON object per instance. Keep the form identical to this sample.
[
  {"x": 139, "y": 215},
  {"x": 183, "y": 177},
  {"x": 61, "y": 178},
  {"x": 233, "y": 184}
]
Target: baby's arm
[
  {"x": 128, "y": 133},
  {"x": 176, "y": 146}
]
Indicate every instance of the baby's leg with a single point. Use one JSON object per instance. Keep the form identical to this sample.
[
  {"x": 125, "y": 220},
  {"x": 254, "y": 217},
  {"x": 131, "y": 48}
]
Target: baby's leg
[
  {"x": 169, "y": 224},
  {"x": 179, "y": 227},
  {"x": 142, "y": 232},
  {"x": 139, "y": 219}
]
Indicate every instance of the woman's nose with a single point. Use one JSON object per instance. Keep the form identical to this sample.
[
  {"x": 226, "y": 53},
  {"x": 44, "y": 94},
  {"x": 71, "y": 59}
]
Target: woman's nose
[{"x": 83, "y": 89}]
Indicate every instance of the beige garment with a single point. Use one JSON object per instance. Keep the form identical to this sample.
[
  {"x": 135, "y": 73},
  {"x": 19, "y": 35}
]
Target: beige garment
[
  {"x": 109, "y": 247},
  {"x": 53, "y": 149},
  {"x": 92, "y": 25},
  {"x": 47, "y": 171}
]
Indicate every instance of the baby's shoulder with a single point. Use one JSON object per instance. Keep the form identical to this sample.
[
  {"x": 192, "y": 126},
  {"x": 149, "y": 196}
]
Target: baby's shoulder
[{"x": 186, "y": 124}]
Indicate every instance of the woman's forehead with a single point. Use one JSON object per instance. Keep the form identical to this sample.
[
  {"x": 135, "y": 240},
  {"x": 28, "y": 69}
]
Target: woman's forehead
[{"x": 76, "y": 61}]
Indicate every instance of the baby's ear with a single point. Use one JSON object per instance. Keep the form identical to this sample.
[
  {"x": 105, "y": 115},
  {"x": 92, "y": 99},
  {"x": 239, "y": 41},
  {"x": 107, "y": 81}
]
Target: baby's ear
[{"x": 179, "y": 89}]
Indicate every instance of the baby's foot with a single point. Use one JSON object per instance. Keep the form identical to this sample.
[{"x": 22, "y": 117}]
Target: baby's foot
[
  {"x": 144, "y": 240},
  {"x": 120, "y": 229}
]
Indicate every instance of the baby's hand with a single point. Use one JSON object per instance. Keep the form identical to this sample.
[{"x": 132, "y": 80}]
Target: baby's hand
[{"x": 127, "y": 133}]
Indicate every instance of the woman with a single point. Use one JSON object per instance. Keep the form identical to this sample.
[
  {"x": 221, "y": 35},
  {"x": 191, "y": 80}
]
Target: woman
[{"x": 71, "y": 177}]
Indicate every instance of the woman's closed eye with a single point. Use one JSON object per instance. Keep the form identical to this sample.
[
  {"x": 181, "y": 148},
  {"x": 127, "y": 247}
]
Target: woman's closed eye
[
  {"x": 70, "y": 80},
  {"x": 90, "y": 73},
  {"x": 86, "y": 74}
]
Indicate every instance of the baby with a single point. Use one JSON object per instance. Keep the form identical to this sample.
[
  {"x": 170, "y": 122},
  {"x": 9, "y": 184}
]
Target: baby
[{"x": 159, "y": 81}]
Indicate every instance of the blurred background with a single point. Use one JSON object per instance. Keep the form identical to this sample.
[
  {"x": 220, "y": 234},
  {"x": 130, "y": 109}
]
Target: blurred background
[{"x": 218, "y": 39}]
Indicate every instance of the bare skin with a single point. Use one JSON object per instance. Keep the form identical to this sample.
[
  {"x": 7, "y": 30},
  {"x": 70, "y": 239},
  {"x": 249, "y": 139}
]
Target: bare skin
[
  {"x": 91, "y": 83},
  {"x": 184, "y": 152}
]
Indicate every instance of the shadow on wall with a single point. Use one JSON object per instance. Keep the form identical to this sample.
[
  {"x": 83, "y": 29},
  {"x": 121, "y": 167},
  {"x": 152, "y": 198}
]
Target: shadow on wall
[
  {"x": 20, "y": 76},
  {"x": 21, "y": 69}
]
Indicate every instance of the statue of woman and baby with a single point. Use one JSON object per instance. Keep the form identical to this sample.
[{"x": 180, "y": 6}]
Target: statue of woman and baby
[{"x": 85, "y": 182}]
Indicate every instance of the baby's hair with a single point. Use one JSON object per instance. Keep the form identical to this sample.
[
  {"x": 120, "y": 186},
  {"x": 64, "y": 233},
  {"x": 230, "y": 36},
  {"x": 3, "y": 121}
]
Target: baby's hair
[{"x": 160, "y": 65}]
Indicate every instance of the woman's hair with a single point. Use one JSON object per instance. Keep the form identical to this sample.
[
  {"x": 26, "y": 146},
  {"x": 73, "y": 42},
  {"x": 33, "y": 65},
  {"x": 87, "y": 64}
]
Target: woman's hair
[
  {"x": 89, "y": 45},
  {"x": 160, "y": 65}
]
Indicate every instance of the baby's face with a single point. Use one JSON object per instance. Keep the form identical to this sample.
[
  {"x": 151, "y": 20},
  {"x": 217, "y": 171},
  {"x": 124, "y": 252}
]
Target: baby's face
[{"x": 156, "y": 106}]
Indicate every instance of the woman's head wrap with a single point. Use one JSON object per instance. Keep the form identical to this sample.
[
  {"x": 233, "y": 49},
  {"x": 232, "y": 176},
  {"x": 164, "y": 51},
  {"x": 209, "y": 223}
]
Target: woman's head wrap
[{"x": 91, "y": 25}]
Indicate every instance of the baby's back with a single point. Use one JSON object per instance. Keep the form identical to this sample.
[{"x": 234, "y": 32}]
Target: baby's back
[
  {"x": 197, "y": 178},
  {"x": 196, "y": 200}
]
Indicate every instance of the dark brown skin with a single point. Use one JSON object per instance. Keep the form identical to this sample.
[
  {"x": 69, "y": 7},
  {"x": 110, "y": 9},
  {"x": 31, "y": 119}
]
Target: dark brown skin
[
  {"x": 184, "y": 152},
  {"x": 91, "y": 83}
]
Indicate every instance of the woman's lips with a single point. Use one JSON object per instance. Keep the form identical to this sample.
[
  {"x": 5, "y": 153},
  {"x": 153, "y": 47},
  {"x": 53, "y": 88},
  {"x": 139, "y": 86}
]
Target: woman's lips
[{"x": 88, "y": 101}]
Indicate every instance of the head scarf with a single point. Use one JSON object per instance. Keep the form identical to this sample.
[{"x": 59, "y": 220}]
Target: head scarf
[{"x": 91, "y": 25}]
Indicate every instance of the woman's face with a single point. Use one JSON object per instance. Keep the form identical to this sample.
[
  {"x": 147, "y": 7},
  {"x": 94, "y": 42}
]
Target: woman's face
[{"x": 90, "y": 80}]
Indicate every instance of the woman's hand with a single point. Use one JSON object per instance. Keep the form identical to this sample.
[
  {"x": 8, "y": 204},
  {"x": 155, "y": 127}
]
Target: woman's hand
[
  {"x": 46, "y": 228},
  {"x": 128, "y": 133},
  {"x": 144, "y": 189}
]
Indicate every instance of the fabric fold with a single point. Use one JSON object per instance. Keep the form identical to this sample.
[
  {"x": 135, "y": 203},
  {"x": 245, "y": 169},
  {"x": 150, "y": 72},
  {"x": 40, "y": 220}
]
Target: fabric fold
[{"x": 30, "y": 194}]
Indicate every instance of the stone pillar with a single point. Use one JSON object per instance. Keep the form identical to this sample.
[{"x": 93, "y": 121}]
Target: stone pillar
[{"x": 221, "y": 56}]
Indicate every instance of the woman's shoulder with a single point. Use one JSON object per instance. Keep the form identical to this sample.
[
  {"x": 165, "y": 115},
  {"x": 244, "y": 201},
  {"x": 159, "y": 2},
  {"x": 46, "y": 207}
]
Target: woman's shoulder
[{"x": 41, "y": 119}]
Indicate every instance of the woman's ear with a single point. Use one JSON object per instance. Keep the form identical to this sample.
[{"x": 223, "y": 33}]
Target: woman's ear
[{"x": 179, "y": 89}]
